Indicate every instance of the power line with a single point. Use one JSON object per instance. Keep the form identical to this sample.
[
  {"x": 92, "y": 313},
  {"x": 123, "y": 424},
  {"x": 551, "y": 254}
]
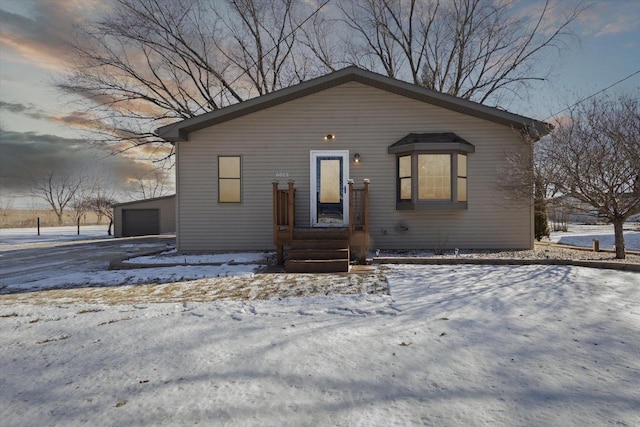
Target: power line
[{"x": 594, "y": 94}]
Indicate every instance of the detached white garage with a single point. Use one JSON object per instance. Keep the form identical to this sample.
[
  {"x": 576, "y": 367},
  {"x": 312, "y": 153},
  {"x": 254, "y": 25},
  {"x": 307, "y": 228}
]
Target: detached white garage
[{"x": 145, "y": 217}]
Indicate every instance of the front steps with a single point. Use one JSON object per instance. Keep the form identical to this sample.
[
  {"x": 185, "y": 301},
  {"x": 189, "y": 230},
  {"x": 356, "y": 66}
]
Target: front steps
[{"x": 318, "y": 251}]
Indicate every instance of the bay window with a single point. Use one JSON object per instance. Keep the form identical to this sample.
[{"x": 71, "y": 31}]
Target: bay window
[{"x": 431, "y": 171}]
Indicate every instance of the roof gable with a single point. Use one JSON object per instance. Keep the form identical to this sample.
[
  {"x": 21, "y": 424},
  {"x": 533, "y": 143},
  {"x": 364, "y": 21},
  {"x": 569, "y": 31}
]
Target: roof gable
[{"x": 179, "y": 131}]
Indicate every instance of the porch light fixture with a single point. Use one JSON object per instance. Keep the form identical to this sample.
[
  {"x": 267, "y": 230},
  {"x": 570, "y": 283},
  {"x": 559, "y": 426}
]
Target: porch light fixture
[
  {"x": 356, "y": 158},
  {"x": 329, "y": 137}
]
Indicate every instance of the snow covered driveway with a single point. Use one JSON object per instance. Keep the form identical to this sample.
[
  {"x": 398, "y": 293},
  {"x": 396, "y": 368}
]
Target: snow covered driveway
[
  {"x": 59, "y": 264},
  {"x": 451, "y": 346}
]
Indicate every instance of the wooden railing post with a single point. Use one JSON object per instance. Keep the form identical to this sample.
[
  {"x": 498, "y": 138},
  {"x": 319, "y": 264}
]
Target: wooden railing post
[
  {"x": 275, "y": 212},
  {"x": 276, "y": 223},
  {"x": 351, "y": 205},
  {"x": 365, "y": 225},
  {"x": 291, "y": 212}
]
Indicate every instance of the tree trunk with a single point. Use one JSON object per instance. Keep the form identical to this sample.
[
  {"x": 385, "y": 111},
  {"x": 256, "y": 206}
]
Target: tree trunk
[
  {"x": 109, "y": 229},
  {"x": 59, "y": 215},
  {"x": 617, "y": 227}
]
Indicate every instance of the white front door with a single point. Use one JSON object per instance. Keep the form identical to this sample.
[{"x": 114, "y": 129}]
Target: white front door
[{"x": 329, "y": 195}]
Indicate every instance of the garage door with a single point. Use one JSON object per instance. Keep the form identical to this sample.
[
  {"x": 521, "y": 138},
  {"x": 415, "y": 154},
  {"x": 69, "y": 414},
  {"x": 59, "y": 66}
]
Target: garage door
[{"x": 140, "y": 222}]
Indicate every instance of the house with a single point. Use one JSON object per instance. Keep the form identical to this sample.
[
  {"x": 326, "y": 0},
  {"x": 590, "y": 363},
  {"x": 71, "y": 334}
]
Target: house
[
  {"x": 145, "y": 217},
  {"x": 277, "y": 170}
]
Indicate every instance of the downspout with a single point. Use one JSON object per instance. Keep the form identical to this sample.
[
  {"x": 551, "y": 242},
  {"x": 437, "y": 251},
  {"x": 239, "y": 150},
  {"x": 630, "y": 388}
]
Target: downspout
[
  {"x": 531, "y": 202},
  {"x": 177, "y": 203}
]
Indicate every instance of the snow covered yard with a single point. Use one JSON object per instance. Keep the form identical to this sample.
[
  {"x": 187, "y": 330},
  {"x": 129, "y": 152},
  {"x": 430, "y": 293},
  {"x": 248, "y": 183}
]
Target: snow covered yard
[
  {"x": 451, "y": 345},
  {"x": 583, "y": 235},
  {"x": 22, "y": 236}
]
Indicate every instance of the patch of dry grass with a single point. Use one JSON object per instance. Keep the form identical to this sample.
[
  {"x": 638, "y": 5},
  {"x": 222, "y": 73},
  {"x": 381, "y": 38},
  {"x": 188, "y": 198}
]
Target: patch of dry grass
[
  {"x": 261, "y": 286},
  {"x": 16, "y": 218}
]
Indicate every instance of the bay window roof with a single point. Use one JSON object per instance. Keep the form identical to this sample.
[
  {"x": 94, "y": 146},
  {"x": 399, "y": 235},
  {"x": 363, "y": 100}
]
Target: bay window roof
[{"x": 446, "y": 141}]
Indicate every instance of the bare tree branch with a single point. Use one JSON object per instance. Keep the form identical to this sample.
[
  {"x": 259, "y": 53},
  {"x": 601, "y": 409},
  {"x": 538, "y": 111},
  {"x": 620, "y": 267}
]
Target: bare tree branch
[
  {"x": 57, "y": 189},
  {"x": 596, "y": 158},
  {"x": 148, "y": 63},
  {"x": 473, "y": 49}
]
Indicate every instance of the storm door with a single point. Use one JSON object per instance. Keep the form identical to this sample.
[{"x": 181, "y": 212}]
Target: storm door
[{"x": 329, "y": 196}]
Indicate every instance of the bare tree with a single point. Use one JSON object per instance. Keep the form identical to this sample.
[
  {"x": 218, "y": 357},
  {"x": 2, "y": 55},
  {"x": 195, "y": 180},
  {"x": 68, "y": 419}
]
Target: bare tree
[
  {"x": 151, "y": 185},
  {"x": 80, "y": 206},
  {"x": 391, "y": 34},
  {"x": 89, "y": 183},
  {"x": 151, "y": 62},
  {"x": 596, "y": 159},
  {"x": 102, "y": 204},
  {"x": 264, "y": 44},
  {"x": 474, "y": 49},
  {"x": 148, "y": 63},
  {"x": 320, "y": 37},
  {"x": 57, "y": 189},
  {"x": 6, "y": 205}
]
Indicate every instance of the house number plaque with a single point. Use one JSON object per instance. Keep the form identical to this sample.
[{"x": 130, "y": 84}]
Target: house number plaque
[{"x": 282, "y": 174}]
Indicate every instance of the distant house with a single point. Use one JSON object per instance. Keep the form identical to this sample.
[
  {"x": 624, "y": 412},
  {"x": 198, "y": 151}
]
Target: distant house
[
  {"x": 433, "y": 162},
  {"x": 145, "y": 217}
]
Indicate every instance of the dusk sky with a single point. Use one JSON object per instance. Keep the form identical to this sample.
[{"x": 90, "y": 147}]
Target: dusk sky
[{"x": 42, "y": 128}]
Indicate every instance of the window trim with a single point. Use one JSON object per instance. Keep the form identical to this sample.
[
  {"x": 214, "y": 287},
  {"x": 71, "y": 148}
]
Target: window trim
[
  {"x": 426, "y": 204},
  {"x": 415, "y": 144},
  {"x": 239, "y": 178}
]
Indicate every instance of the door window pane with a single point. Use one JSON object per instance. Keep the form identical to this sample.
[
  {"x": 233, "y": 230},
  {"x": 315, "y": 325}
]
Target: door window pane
[{"x": 330, "y": 188}]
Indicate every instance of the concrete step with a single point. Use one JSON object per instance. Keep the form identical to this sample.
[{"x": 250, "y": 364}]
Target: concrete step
[
  {"x": 317, "y": 266},
  {"x": 318, "y": 254}
]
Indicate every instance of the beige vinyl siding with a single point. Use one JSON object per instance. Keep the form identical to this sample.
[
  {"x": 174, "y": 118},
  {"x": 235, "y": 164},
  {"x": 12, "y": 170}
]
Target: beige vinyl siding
[{"x": 364, "y": 120}]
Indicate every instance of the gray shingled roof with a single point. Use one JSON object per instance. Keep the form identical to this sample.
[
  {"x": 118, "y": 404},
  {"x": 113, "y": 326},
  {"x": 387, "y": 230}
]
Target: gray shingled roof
[
  {"x": 179, "y": 131},
  {"x": 431, "y": 141}
]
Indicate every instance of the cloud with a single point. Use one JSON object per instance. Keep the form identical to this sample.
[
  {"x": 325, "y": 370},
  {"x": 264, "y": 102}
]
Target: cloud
[
  {"x": 39, "y": 32},
  {"x": 75, "y": 119},
  {"x": 28, "y": 110},
  {"x": 13, "y": 107},
  {"x": 36, "y": 44},
  {"x": 26, "y": 155},
  {"x": 607, "y": 18}
]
